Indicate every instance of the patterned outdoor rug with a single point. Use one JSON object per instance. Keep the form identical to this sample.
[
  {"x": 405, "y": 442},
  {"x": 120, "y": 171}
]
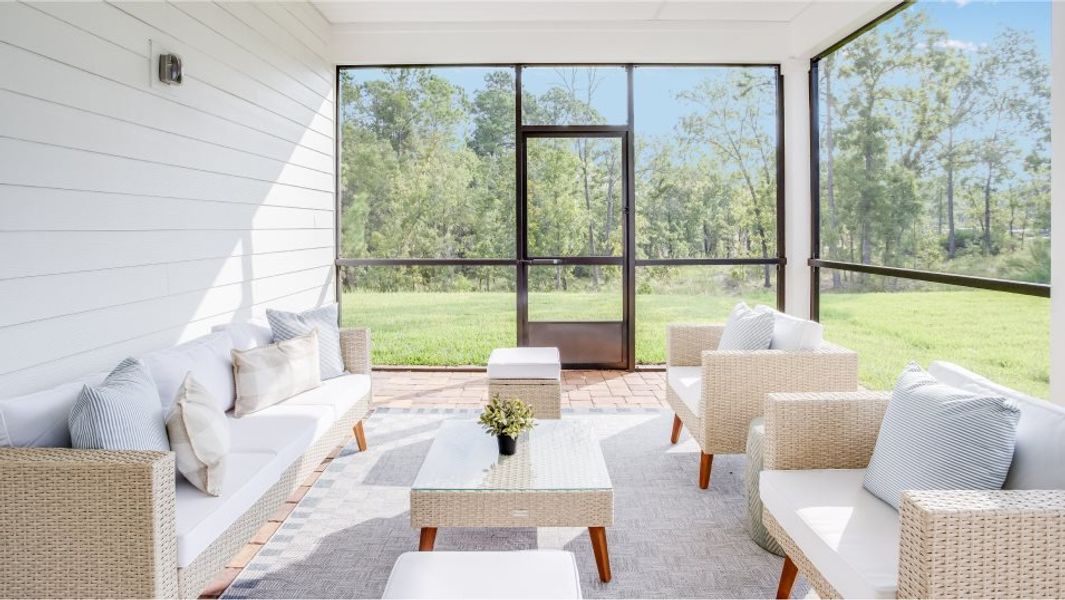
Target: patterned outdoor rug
[{"x": 669, "y": 540}]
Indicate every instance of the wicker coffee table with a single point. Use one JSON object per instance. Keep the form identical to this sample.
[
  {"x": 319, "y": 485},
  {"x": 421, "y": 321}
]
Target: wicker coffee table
[{"x": 558, "y": 478}]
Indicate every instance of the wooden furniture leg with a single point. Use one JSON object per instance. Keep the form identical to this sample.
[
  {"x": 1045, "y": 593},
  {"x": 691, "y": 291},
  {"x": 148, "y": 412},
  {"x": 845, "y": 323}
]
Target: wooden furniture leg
[
  {"x": 428, "y": 539},
  {"x": 787, "y": 579},
  {"x": 676, "y": 430},
  {"x": 705, "y": 461},
  {"x": 360, "y": 436},
  {"x": 602, "y": 556}
]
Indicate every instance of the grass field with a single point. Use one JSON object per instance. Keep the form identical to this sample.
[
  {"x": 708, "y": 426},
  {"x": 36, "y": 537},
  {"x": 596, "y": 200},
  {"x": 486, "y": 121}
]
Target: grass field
[{"x": 1002, "y": 336}]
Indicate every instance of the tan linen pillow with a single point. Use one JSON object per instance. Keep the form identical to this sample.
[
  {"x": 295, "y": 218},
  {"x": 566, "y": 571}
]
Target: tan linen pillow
[
  {"x": 199, "y": 436},
  {"x": 269, "y": 374}
]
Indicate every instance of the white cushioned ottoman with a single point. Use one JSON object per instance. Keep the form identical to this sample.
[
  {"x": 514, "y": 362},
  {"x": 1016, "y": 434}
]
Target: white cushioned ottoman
[
  {"x": 460, "y": 575},
  {"x": 531, "y": 374}
]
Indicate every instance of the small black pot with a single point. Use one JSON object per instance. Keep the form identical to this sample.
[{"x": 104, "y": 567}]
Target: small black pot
[{"x": 507, "y": 445}]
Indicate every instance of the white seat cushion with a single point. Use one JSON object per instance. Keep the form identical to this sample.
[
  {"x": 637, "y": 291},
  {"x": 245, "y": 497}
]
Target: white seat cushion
[
  {"x": 339, "y": 393},
  {"x": 202, "y": 518},
  {"x": 522, "y": 574},
  {"x": 686, "y": 383},
  {"x": 850, "y": 536},
  {"x": 1039, "y": 448},
  {"x": 524, "y": 363},
  {"x": 286, "y": 430}
]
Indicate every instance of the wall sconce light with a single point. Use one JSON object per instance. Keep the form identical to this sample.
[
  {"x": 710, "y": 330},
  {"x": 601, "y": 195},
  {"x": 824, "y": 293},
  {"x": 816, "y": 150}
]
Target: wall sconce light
[{"x": 170, "y": 69}]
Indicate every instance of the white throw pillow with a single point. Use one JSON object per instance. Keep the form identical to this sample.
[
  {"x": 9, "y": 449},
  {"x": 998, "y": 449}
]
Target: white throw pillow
[
  {"x": 253, "y": 333},
  {"x": 270, "y": 374},
  {"x": 747, "y": 328},
  {"x": 793, "y": 333},
  {"x": 207, "y": 357},
  {"x": 199, "y": 436}
]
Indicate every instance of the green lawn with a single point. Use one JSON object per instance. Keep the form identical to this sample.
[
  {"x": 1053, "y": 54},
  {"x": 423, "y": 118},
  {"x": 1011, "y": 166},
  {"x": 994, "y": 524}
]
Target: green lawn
[{"x": 1002, "y": 336}]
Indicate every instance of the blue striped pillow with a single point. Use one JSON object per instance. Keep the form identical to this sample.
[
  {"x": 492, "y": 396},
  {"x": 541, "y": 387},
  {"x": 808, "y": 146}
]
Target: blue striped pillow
[
  {"x": 288, "y": 325},
  {"x": 938, "y": 437},
  {"x": 747, "y": 329},
  {"x": 122, "y": 413}
]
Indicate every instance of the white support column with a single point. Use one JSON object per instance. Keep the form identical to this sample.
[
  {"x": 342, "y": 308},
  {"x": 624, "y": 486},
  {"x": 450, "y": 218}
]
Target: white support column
[
  {"x": 1057, "y": 206},
  {"x": 797, "y": 224}
]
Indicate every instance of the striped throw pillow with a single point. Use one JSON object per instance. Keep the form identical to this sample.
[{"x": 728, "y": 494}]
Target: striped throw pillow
[
  {"x": 747, "y": 328},
  {"x": 122, "y": 413},
  {"x": 287, "y": 325},
  {"x": 939, "y": 437}
]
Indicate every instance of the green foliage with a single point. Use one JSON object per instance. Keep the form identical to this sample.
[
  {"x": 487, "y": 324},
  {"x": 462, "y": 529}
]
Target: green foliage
[{"x": 506, "y": 417}]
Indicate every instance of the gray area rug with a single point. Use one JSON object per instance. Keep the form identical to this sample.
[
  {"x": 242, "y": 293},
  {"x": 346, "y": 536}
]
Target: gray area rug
[{"x": 669, "y": 540}]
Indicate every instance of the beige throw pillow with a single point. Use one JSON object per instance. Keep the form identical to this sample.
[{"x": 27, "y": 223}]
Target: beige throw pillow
[
  {"x": 199, "y": 436},
  {"x": 269, "y": 374}
]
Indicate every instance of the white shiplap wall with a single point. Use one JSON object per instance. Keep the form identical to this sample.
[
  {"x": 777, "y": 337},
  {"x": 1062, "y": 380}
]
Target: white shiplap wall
[{"x": 134, "y": 215}]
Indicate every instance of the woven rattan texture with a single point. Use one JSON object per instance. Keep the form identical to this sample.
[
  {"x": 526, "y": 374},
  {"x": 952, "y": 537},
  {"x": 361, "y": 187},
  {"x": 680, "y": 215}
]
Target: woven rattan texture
[
  {"x": 59, "y": 506},
  {"x": 685, "y": 343},
  {"x": 543, "y": 395},
  {"x": 355, "y": 348},
  {"x": 822, "y": 430},
  {"x": 806, "y": 568},
  {"x": 982, "y": 544},
  {"x": 582, "y": 508}
]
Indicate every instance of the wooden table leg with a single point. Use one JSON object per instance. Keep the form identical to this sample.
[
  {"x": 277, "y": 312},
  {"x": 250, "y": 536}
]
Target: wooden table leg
[
  {"x": 787, "y": 579},
  {"x": 602, "y": 556},
  {"x": 428, "y": 539}
]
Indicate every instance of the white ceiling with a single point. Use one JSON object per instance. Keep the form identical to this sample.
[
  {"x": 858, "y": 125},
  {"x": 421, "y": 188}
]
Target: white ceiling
[
  {"x": 450, "y": 11},
  {"x": 470, "y": 31}
]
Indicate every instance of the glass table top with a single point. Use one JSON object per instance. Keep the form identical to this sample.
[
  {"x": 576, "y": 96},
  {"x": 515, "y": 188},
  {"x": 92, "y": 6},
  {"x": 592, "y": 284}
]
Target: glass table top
[{"x": 555, "y": 455}]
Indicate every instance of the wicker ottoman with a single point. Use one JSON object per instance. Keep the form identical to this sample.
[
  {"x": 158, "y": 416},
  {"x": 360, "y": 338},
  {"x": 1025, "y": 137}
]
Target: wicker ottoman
[{"x": 531, "y": 374}]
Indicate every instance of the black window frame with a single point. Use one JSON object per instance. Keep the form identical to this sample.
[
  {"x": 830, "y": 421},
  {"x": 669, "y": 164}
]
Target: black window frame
[
  {"x": 631, "y": 263},
  {"x": 816, "y": 263}
]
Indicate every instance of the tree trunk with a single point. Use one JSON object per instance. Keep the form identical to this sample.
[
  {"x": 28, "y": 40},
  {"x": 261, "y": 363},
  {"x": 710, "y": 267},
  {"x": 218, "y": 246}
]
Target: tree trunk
[
  {"x": 987, "y": 211},
  {"x": 952, "y": 242}
]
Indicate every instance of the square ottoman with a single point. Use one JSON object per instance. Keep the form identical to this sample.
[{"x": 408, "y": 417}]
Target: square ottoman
[
  {"x": 531, "y": 374},
  {"x": 458, "y": 575}
]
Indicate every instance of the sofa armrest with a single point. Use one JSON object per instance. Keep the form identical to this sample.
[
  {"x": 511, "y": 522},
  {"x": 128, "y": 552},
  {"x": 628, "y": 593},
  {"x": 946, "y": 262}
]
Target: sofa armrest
[
  {"x": 822, "y": 430},
  {"x": 355, "y": 348},
  {"x": 87, "y": 523},
  {"x": 982, "y": 544},
  {"x": 685, "y": 343},
  {"x": 735, "y": 384}
]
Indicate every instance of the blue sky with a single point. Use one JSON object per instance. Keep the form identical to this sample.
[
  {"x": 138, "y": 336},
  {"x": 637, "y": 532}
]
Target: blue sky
[{"x": 968, "y": 23}]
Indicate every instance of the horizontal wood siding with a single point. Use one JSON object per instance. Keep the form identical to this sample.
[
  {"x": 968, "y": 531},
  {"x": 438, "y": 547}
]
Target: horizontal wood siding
[{"x": 135, "y": 215}]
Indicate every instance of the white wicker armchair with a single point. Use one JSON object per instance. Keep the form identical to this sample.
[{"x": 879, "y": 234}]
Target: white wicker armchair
[
  {"x": 951, "y": 544},
  {"x": 715, "y": 394}
]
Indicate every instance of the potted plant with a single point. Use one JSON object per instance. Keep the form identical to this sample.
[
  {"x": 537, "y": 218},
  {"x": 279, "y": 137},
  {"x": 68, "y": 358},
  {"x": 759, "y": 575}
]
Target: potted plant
[{"x": 506, "y": 419}]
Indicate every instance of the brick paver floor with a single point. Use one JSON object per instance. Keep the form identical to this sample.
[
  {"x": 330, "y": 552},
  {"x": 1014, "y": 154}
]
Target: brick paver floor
[
  {"x": 450, "y": 389},
  {"x": 580, "y": 389}
]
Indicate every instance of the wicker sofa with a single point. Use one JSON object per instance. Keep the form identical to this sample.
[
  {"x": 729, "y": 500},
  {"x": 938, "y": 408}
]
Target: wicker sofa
[
  {"x": 79, "y": 523},
  {"x": 942, "y": 543},
  {"x": 715, "y": 394}
]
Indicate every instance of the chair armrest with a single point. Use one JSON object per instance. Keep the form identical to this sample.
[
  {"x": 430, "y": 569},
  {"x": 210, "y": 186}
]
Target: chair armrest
[
  {"x": 685, "y": 343},
  {"x": 355, "y": 348},
  {"x": 87, "y": 523},
  {"x": 982, "y": 544},
  {"x": 735, "y": 384},
  {"x": 822, "y": 430}
]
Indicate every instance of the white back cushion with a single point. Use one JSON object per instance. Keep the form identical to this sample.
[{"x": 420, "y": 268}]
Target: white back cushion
[
  {"x": 208, "y": 358},
  {"x": 1039, "y": 450},
  {"x": 793, "y": 333},
  {"x": 248, "y": 334},
  {"x": 40, "y": 419}
]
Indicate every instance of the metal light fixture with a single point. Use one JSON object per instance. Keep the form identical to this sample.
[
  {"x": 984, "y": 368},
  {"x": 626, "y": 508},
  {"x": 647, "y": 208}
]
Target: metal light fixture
[{"x": 170, "y": 69}]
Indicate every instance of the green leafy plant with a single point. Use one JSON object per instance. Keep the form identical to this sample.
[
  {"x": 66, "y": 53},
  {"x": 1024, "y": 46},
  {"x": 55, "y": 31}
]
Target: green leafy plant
[{"x": 506, "y": 417}]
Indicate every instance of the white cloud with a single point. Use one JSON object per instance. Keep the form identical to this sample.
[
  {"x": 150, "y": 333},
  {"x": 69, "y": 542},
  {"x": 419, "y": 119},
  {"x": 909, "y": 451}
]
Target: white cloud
[
  {"x": 962, "y": 2},
  {"x": 958, "y": 45}
]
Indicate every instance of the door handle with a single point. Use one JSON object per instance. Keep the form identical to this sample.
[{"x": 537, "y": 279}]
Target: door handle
[{"x": 541, "y": 261}]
